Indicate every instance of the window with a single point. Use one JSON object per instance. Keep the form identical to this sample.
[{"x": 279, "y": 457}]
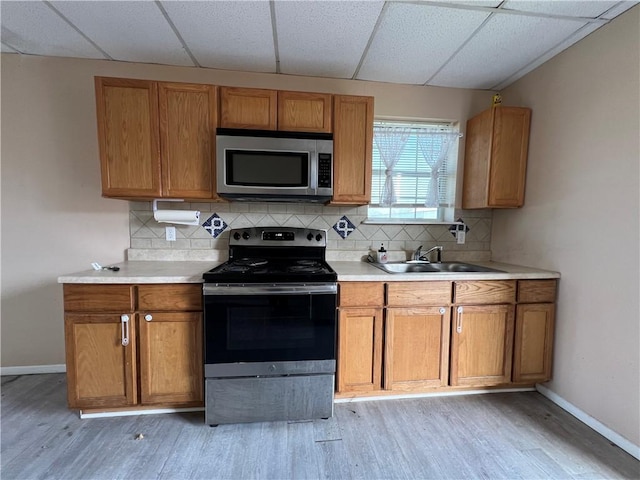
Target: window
[{"x": 414, "y": 167}]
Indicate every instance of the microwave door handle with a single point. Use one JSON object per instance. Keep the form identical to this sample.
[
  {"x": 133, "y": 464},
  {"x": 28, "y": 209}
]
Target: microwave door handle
[{"x": 313, "y": 170}]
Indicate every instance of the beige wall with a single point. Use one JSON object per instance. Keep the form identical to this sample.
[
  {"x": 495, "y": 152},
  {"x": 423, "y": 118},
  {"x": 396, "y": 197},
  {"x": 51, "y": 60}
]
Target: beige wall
[
  {"x": 53, "y": 219},
  {"x": 581, "y": 216}
]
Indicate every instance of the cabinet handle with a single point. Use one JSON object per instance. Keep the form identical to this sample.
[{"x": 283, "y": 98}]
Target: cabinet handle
[
  {"x": 460, "y": 311},
  {"x": 148, "y": 317},
  {"x": 442, "y": 310},
  {"x": 125, "y": 329}
]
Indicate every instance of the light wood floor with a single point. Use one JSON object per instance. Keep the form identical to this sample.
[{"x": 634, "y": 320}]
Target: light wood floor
[{"x": 510, "y": 436}]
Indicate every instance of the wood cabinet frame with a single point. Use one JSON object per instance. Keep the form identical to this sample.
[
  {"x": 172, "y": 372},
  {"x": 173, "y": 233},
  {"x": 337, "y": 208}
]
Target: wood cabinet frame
[{"x": 160, "y": 365}]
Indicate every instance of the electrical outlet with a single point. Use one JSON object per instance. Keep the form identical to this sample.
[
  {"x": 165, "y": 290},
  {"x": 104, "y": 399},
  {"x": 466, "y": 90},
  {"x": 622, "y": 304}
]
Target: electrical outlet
[
  {"x": 170, "y": 234},
  {"x": 461, "y": 234}
]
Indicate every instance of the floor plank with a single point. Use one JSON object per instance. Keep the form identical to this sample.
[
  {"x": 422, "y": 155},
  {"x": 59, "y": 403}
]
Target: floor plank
[{"x": 510, "y": 436}]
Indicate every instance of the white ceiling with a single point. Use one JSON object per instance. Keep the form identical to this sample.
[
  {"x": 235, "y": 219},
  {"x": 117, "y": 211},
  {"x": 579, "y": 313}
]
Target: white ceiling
[{"x": 453, "y": 43}]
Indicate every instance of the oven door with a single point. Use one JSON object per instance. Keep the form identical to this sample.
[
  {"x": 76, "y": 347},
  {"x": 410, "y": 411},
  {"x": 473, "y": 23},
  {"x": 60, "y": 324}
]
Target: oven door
[{"x": 269, "y": 323}]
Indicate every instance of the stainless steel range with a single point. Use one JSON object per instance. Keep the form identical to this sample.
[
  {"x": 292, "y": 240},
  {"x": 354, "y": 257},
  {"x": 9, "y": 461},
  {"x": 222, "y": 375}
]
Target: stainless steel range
[{"x": 270, "y": 328}]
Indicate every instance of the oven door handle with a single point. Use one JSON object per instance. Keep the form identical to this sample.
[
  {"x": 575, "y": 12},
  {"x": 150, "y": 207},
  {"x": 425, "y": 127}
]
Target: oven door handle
[{"x": 270, "y": 289}]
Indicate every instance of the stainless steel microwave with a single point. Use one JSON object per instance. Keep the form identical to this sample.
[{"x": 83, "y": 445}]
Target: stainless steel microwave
[{"x": 257, "y": 165}]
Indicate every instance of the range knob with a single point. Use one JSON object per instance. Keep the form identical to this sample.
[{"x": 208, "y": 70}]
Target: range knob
[
  {"x": 310, "y": 236},
  {"x": 245, "y": 235},
  {"x": 318, "y": 237},
  {"x": 236, "y": 236}
]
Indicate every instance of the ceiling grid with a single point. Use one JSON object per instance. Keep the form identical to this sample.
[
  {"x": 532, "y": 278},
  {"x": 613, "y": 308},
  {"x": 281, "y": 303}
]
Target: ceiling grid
[{"x": 479, "y": 44}]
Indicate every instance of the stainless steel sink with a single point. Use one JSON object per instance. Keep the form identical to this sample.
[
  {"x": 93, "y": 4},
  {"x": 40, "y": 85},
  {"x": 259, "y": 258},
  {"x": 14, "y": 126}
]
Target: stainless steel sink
[{"x": 424, "y": 267}]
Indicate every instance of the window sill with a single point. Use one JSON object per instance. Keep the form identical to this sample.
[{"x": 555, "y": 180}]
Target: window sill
[{"x": 408, "y": 221}]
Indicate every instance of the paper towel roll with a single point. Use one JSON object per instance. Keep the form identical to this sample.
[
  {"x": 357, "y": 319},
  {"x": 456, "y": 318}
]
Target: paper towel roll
[{"x": 180, "y": 217}]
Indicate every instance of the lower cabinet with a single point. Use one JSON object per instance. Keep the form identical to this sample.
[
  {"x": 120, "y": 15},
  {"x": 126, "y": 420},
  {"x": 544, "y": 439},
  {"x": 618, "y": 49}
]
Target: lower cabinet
[
  {"x": 359, "y": 349},
  {"x": 482, "y": 345},
  {"x": 426, "y": 335},
  {"x": 416, "y": 350},
  {"x": 101, "y": 370},
  {"x": 170, "y": 358},
  {"x": 360, "y": 310},
  {"x": 119, "y": 355},
  {"x": 533, "y": 340}
]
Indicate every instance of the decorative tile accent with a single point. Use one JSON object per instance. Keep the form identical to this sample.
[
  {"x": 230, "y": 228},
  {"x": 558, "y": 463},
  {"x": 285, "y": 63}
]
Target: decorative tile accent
[
  {"x": 214, "y": 225},
  {"x": 454, "y": 228},
  {"x": 344, "y": 227}
]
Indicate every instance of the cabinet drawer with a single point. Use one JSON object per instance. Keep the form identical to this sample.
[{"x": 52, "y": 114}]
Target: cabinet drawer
[
  {"x": 170, "y": 297},
  {"x": 361, "y": 294},
  {"x": 97, "y": 298},
  {"x": 485, "y": 292},
  {"x": 537, "y": 291},
  {"x": 402, "y": 294}
]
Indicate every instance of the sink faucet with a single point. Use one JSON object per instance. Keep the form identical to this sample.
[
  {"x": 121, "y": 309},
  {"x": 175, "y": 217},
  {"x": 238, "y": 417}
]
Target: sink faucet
[{"x": 420, "y": 255}]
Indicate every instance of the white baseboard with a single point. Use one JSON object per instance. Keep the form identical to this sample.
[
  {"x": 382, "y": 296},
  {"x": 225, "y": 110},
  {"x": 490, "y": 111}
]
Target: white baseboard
[
  {"x": 128, "y": 413},
  {"x": 32, "y": 369},
  {"x": 451, "y": 393},
  {"x": 619, "y": 440}
]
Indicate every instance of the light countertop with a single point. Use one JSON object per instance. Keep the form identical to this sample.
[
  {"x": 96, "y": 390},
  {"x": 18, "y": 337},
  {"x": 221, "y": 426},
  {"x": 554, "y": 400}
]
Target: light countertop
[
  {"x": 144, "y": 272},
  {"x": 191, "y": 272},
  {"x": 363, "y": 272}
]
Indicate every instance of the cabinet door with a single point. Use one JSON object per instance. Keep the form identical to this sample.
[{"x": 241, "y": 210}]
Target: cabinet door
[
  {"x": 101, "y": 371},
  {"x": 509, "y": 156},
  {"x": 533, "y": 343},
  {"x": 359, "y": 349},
  {"x": 127, "y": 112},
  {"x": 416, "y": 348},
  {"x": 352, "y": 149},
  {"x": 171, "y": 358},
  {"x": 495, "y": 160},
  {"x": 187, "y": 135},
  {"x": 481, "y": 345},
  {"x": 250, "y": 108},
  {"x": 304, "y": 112}
]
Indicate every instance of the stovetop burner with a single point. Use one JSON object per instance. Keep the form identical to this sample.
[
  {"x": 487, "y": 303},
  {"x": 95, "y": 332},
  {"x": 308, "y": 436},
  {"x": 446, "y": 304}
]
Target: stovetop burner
[{"x": 274, "y": 254}]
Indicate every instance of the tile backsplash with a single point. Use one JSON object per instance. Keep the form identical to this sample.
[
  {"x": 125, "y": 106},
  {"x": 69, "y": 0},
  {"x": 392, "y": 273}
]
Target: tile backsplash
[{"x": 347, "y": 237}]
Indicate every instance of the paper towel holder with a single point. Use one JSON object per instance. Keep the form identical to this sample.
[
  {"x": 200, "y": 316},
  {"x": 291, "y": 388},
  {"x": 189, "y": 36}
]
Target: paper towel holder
[{"x": 155, "y": 209}]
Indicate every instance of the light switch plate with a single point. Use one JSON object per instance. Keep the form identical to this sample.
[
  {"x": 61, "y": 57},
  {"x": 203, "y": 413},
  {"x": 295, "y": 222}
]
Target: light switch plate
[{"x": 170, "y": 234}]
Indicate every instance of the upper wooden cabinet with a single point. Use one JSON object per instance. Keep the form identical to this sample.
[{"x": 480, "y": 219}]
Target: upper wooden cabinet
[
  {"x": 251, "y": 108},
  {"x": 495, "y": 163},
  {"x": 157, "y": 140},
  {"x": 352, "y": 149},
  {"x": 260, "y": 109},
  {"x": 304, "y": 112},
  {"x": 128, "y": 134},
  {"x": 187, "y": 140}
]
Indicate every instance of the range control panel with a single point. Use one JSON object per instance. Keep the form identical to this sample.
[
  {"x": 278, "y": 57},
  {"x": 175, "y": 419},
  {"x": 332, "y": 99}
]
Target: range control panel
[{"x": 281, "y": 236}]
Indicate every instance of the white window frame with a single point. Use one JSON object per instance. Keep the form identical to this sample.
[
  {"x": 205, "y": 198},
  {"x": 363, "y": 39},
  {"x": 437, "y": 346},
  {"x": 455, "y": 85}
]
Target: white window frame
[{"x": 444, "y": 213}]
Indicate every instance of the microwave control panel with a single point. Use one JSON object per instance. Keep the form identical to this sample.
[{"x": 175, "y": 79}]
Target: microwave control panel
[{"x": 324, "y": 170}]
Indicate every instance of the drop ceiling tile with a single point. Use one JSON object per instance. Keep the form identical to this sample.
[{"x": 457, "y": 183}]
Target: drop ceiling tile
[
  {"x": 7, "y": 49},
  {"x": 618, "y": 10},
  {"x": 589, "y": 9},
  {"x": 234, "y": 35},
  {"x": 576, "y": 37},
  {"x": 34, "y": 28},
  {"x": 413, "y": 41},
  {"x": 324, "y": 38},
  {"x": 506, "y": 44},
  {"x": 128, "y": 31},
  {"x": 474, "y": 3}
]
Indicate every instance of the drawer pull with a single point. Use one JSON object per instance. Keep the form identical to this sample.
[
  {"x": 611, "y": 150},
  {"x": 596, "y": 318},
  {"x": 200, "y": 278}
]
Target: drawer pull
[{"x": 124, "y": 319}]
